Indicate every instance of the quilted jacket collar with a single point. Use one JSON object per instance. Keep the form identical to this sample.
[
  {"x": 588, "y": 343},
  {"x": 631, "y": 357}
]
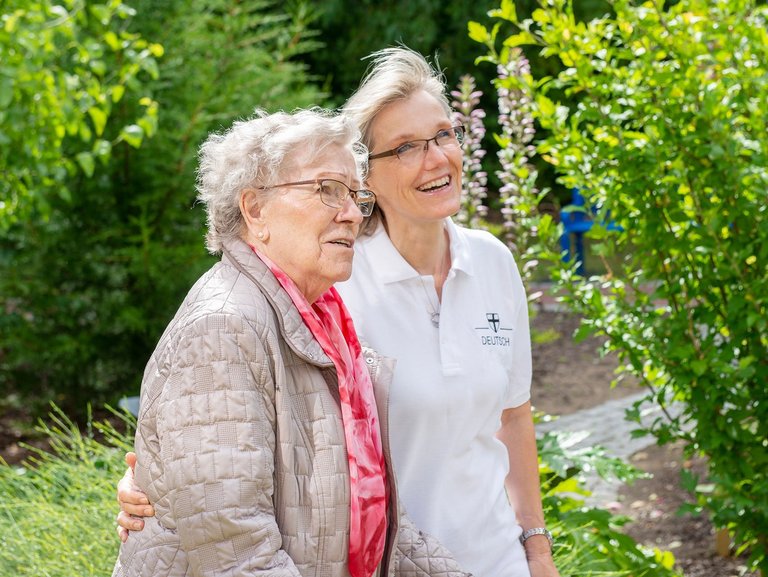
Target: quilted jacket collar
[{"x": 239, "y": 255}]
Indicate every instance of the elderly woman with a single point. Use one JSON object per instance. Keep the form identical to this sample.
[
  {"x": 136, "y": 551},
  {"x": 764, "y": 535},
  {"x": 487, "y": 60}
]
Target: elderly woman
[{"x": 258, "y": 438}]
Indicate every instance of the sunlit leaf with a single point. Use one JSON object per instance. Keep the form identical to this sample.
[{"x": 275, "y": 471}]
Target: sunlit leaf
[
  {"x": 99, "y": 118},
  {"x": 133, "y": 135},
  {"x": 478, "y": 32},
  {"x": 86, "y": 162}
]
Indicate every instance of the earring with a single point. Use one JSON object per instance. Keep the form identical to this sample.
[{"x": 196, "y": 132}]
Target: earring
[{"x": 260, "y": 236}]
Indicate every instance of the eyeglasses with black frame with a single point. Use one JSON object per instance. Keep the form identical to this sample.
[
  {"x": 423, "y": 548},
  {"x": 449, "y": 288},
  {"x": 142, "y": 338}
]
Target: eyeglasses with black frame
[
  {"x": 333, "y": 193},
  {"x": 415, "y": 150}
]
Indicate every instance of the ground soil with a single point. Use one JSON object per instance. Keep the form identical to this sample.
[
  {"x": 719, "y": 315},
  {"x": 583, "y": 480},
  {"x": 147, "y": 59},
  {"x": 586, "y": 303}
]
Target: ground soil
[
  {"x": 16, "y": 432},
  {"x": 568, "y": 377}
]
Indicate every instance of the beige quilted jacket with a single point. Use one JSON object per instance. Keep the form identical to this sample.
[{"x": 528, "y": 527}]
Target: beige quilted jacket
[{"x": 241, "y": 446}]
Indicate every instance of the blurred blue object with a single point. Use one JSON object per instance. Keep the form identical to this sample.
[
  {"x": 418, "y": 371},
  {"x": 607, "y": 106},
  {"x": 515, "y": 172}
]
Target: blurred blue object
[
  {"x": 577, "y": 220},
  {"x": 130, "y": 404}
]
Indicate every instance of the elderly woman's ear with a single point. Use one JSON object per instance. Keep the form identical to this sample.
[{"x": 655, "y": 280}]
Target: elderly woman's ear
[{"x": 251, "y": 202}]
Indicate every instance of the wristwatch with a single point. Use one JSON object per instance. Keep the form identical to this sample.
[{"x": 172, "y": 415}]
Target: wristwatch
[{"x": 536, "y": 531}]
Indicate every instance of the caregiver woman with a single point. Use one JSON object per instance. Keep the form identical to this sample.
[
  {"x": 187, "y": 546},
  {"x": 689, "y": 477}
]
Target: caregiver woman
[{"x": 448, "y": 303}]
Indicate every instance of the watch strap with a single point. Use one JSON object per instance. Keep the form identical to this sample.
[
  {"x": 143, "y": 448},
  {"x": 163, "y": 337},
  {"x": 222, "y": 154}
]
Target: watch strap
[{"x": 528, "y": 533}]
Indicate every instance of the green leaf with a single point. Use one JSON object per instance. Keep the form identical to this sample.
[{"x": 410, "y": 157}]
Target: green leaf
[
  {"x": 568, "y": 486},
  {"x": 156, "y": 50},
  {"x": 507, "y": 11},
  {"x": 117, "y": 93},
  {"x": 64, "y": 193},
  {"x": 541, "y": 16},
  {"x": 150, "y": 66},
  {"x": 102, "y": 150},
  {"x": 112, "y": 41},
  {"x": 688, "y": 480},
  {"x": 99, "y": 119},
  {"x": 84, "y": 132},
  {"x": 101, "y": 12},
  {"x": 133, "y": 135},
  {"x": 148, "y": 124},
  {"x": 99, "y": 67},
  {"x": 699, "y": 366},
  {"x": 523, "y": 38},
  {"x": 86, "y": 162},
  {"x": 546, "y": 106},
  {"x": 478, "y": 32},
  {"x": 666, "y": 558}
]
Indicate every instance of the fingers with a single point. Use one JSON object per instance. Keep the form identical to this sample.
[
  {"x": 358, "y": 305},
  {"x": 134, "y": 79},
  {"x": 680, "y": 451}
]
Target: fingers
[
  {"x": 136, "y": 510},
  {"x": 122, "y": 533},
  {"x": 132, "y": 500},
  {"x": 128, "y": 492},
  {"x": 127, "y": 523}
]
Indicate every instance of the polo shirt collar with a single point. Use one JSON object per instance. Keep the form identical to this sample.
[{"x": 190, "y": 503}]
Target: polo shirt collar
[{"x": 390, "y": 265}]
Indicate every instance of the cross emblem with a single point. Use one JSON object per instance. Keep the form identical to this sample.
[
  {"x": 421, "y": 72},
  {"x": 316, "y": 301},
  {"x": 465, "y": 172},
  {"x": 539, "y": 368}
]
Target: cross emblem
[{"x": 493, "y": 321}]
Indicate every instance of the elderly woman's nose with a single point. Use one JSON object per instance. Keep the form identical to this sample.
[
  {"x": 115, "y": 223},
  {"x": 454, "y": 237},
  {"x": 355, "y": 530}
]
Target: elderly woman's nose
[{"x": 349, "y": 211}]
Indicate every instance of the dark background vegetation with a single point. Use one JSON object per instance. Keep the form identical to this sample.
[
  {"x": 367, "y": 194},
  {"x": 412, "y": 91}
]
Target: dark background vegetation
[{"x": 89, "y": 280}]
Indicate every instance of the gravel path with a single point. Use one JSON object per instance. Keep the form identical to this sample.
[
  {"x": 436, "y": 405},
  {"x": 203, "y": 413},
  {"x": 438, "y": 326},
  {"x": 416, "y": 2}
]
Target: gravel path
[{"x": 606, "y": 426}]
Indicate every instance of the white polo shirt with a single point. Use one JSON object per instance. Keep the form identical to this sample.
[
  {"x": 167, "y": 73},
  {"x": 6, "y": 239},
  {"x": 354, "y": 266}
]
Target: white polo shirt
[{"x": 451, "y": 384}]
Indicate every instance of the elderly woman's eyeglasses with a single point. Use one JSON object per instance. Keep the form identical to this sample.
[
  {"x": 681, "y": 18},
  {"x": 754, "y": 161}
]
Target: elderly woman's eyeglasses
[
  {"x": 414, "y": 150},
  {"x": 334, "y": 193}
]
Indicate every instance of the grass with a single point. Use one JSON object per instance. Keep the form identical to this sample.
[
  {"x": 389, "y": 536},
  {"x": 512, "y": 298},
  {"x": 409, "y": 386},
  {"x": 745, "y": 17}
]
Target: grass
[{"x": 58, "y": 509}]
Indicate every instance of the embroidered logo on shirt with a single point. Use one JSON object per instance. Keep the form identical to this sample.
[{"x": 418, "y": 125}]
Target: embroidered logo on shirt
[{"x": 494, "y": 326}]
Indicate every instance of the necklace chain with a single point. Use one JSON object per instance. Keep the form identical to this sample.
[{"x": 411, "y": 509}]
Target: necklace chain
[{"x": 434, "y": 311}]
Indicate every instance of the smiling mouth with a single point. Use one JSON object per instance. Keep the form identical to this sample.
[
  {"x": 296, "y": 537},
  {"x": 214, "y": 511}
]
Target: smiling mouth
[{"x": 436, "y": 184}]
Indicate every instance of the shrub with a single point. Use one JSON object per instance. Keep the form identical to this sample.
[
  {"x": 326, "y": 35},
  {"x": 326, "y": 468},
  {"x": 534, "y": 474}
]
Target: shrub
[
  {"x": 87, "y": 287},
  {"x": 66, "y": 67},
  {"x": 589, "y": 541},
  {"x": 668, "y": 133}
]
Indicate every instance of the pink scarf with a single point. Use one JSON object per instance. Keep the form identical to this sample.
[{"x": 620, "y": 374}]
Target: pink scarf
[{"x": 329, "y": 321}]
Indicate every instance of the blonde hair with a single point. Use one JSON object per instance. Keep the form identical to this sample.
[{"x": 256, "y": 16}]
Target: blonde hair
[{"x": 394, "y": 74}]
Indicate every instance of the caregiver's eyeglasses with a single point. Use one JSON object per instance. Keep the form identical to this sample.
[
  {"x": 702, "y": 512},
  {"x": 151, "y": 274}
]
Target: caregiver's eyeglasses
[
  {"x": 414, "y": 150},
  {"x": 334, "y": 193}
]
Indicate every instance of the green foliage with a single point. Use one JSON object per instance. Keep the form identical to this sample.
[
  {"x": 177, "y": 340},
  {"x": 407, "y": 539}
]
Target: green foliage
[
  {"x": 222, "y": 60},
  {"x": 64, "y": 68},
  {"x": 666, "y": 130},
  {"x": 57, "y": 512},
  {"x": 72, "y": 69},
  {"x": 352, "y": 30},
  {"x": 58, "y": 509},
  {"x": 86, "y": 291},
  {"x": 589, "y": 542}
]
